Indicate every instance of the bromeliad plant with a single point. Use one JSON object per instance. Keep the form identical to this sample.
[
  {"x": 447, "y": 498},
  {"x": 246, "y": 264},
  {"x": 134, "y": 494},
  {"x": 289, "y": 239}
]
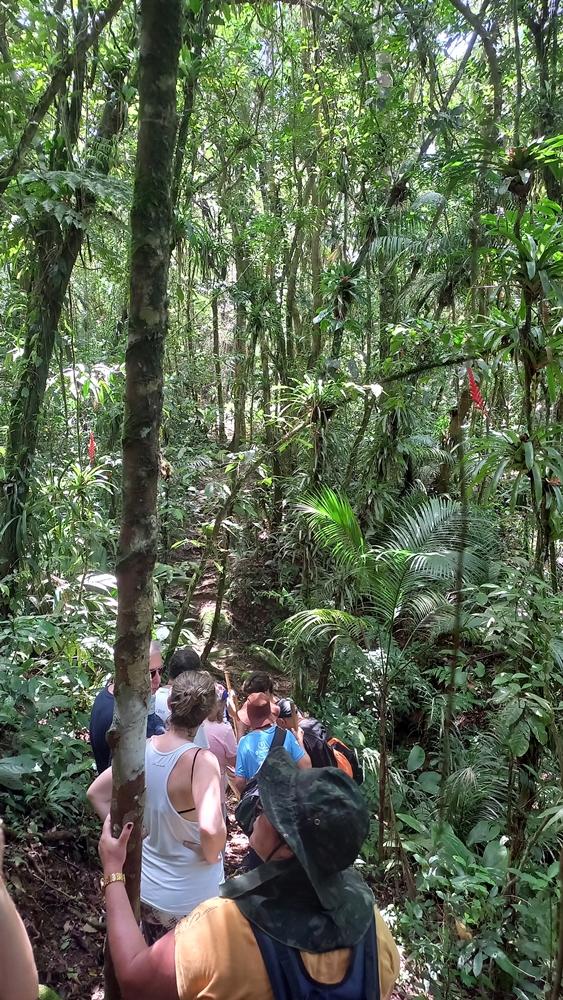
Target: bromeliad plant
[{"x": 400, "y": 586}]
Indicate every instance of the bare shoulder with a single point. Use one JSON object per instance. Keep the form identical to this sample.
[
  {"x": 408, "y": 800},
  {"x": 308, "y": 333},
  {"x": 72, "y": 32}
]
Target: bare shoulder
[
  {"x": 207, "y": 764},
  {"x": 203, "y": 761}
]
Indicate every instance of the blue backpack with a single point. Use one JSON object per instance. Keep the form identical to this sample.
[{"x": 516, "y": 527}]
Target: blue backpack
[{"x": 290, "y": 980}]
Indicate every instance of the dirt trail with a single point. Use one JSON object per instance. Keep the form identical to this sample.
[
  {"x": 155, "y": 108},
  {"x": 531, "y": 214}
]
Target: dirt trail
[{"x": 248, "y": 624}]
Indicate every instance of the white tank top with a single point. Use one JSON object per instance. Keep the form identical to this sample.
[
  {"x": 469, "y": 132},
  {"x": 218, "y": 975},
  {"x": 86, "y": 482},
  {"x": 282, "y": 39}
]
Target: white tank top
[{"x": 173, "y": 878}]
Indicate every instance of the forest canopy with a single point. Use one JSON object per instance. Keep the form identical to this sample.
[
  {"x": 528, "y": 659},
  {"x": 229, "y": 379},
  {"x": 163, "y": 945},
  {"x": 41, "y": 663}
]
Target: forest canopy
[{"x": 360, "y": 456}]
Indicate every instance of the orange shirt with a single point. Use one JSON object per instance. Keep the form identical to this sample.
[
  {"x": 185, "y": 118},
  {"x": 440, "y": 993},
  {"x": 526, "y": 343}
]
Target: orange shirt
[{"x": 217, "y": 957}]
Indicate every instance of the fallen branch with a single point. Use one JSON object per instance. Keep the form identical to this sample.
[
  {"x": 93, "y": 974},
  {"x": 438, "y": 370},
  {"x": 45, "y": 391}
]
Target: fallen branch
[{"x": 49, "y": 836}]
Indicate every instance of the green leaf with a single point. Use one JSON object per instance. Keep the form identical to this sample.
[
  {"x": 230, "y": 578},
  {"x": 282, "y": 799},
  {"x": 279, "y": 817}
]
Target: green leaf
[
  {"x": 478, "y": 964},
  {"x": 495, "y": 855},
  {"x": 416, "y": 759},
  {"x": 429, "y": 781},
  {"x": 555, "y": 819},
  {"x": 537, "y": 728},
  {"x": 512, "y": 712},
  {"x": 551, "y": 387},
  {"x": 537, "y": 482},
  {"x": 483, "y": 832},
  {"x": 413, "y": 822},
  {"x": 519, "y": 739},
  {"x": 528, "y": 454},
  {"x": 445, "y": 839},
  {"x": 13, "y": 768}
]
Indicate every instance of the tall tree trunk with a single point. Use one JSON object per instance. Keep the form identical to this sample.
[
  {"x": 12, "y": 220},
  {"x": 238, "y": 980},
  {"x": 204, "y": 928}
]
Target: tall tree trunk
[
  {"x": 277, "y": 497},
  {"x": 57, "y": 253},
  {"x": 217, "y": 363},
  {"x": 151, "y": 230},
  {"x": 290, "y": 305},
  {"x": 316, "y": 339},
  {"x": 239, "y": 388}
]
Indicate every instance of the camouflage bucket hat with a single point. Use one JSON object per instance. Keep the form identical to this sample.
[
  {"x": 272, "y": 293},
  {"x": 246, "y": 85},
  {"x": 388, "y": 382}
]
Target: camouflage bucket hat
[
  {"x": 311, "y": 901},
  {"x": 322, "y": 815}
]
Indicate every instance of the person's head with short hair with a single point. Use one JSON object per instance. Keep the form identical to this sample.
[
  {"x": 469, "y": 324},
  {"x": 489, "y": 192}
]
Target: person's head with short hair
[
  {"x": 191, "y": 700},
  {"x": 259, "y": 681},
  {"x": 182, "y": 660},
  {"x": 155, "y": 664},
  {"x": 285, "y": 719}
]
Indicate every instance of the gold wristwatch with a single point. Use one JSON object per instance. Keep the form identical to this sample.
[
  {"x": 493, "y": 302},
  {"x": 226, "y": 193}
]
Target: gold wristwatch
[{"x": 114, "y": 877}]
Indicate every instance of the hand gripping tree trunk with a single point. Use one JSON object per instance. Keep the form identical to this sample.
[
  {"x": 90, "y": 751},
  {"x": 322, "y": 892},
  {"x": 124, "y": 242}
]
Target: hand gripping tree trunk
[{"x": 151, "y": 230}]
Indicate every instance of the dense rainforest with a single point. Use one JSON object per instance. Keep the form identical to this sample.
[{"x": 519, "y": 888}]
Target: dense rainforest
[{"x": 281, "y": 378}]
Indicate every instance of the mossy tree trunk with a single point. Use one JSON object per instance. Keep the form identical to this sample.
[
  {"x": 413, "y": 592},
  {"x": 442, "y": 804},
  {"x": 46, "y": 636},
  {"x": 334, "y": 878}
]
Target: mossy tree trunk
[
  {"x": 151, "y": 230},
  {"x": 57, "y": 251}
]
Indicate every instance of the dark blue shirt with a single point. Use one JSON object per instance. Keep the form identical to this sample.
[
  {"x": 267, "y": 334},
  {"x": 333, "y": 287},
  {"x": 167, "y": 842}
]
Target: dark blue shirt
[{"x": 100, "y": 721}]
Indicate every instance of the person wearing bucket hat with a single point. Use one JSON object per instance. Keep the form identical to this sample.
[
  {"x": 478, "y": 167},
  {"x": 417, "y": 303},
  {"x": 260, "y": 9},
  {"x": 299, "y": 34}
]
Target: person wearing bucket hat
[
  {"x": 302, "y": 924},
  {"x": 261, "y": 715}
]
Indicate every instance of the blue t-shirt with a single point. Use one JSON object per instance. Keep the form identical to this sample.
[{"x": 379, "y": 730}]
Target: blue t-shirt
[{"x": 253, "y": 750}]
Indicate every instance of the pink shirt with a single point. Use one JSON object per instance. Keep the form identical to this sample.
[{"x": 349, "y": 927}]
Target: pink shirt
[{"x": 223, "y": 744}]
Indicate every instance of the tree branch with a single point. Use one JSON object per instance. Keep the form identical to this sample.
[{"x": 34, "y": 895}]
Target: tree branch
[
  {"x": 426, "y": 368},
  {"x": 57, "y": 83},
  {"x": 490, "y": 51}
]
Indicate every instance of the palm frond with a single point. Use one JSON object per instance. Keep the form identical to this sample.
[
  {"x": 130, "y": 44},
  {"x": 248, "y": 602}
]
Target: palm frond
[
  {"x": 334, "y": 525},
  {"x": 421, "y": 611},
  {"x": 328, "y": 621},
  {"x": 415, "y": 530}
]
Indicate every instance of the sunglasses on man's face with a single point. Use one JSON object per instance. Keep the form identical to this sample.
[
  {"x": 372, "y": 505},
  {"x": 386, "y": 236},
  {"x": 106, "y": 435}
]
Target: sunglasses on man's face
[{"x": 155, "y": 672}]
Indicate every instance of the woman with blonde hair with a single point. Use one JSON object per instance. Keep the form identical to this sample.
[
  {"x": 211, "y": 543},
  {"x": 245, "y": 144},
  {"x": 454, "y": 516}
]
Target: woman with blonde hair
[{"x": 184, "y": 826}]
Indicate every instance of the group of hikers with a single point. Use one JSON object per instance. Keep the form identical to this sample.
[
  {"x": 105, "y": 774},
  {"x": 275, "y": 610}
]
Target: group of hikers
[{"x": 299, "y": 922}]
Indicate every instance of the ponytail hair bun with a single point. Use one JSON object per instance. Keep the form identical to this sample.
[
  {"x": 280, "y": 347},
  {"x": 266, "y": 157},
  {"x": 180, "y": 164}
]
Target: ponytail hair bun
[{"x": 192, "y": 698}]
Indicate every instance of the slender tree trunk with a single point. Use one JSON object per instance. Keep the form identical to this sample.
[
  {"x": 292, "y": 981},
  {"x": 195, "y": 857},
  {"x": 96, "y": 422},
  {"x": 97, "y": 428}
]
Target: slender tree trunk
[
  {"x": 316, "y": 339},
  {"x": 151, "y": 229},
  {"x": 196, "y": 33},
  {"x": 54, "y": 87},
  {"x": 290, "y": 306},
  {"x": 277, "y": 499},
  {"x": 217, "y": 363},
  {"x": 387, "y": 306},
  {"x": 221, "y": 588},
  {"x": 224, "y": 512},
  {"x": 369, "y": 406},
  {"x": 382, "y": 764},
  {"x": 456, "y": 634},
  {"x": 239, "y": 388}
]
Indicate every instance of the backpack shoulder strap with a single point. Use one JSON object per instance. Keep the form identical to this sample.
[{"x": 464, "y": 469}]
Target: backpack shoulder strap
[
  {"x": 283, "y": 980},
  {"x": 371, "y": 963},
  {"x": 278, "y": 740},
  {"x": 290, "y": 982}
]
